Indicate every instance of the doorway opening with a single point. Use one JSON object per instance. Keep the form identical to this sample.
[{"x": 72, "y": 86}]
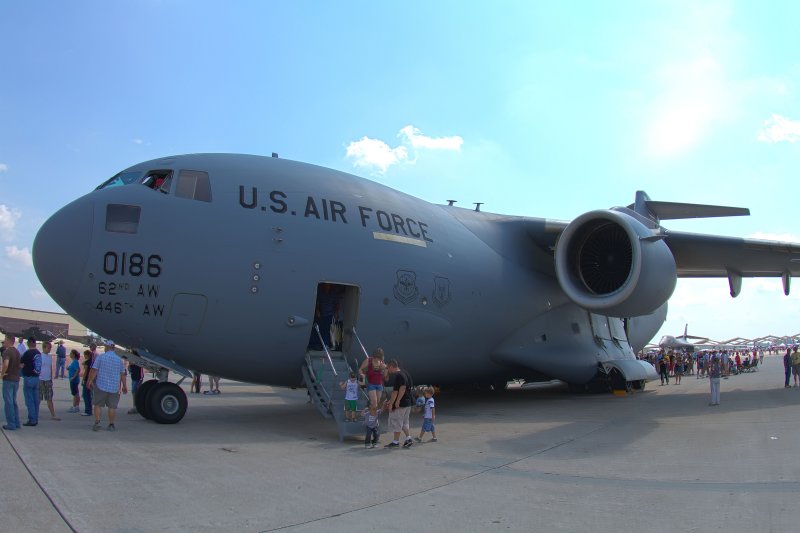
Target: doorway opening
[{"x": 336, "y": 314}]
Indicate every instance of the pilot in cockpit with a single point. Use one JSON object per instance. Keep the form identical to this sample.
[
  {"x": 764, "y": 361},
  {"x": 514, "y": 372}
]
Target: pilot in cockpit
[{"x": 155, "y": 180}]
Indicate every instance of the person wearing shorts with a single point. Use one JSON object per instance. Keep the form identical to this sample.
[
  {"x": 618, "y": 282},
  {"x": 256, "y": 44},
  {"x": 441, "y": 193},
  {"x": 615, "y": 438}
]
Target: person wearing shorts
[
  {"x": 350, "y": 398},
  {"x": 796, "y": 367},
  {"x": 373, "y": 369},
  {"x": 428, "y": 416},
  {"x": 106, "y": 379},
  {"x": 399, "y": 405},
  {"x": 46, "y": 375},
  {"x": 105, "y": 399}
]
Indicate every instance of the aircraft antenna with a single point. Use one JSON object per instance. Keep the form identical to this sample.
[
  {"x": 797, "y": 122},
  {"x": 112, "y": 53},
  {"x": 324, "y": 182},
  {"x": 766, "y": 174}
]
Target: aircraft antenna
[
  {"x": 478, "y": 206},
  {"x": 451, "y": 203}
]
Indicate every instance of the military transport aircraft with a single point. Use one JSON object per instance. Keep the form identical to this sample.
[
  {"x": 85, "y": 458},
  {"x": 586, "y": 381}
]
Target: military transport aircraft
[
  {"x": 227, "y": 264},
  {"x": 680, "y": 343}
]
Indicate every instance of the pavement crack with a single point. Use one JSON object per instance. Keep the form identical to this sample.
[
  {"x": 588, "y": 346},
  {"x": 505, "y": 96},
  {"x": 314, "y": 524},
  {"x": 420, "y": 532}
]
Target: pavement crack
[{"x": 38, "y": 484}]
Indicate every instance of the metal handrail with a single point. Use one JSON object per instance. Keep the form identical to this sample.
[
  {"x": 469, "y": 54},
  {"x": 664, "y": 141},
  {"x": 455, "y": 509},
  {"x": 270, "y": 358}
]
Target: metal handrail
[
  {"x": 324, "y": 347},
  {"x": 310, "y": 367},
  {"x": 363, "y": 392},
  {"x": 360, "y": 343}
]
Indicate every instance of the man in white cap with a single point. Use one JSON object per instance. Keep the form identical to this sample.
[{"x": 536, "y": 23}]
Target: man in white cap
[{"x": 108, "y": 374}]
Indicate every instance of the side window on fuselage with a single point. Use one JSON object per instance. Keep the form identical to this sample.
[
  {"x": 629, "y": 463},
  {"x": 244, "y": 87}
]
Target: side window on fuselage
[
  {"x": 193, "y": 184},
  {"x": 122, "y": 218}
]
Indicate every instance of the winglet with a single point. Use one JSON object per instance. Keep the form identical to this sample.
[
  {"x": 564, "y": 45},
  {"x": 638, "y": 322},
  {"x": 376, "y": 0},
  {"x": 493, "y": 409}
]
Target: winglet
[{"x": 658, "y": 211}]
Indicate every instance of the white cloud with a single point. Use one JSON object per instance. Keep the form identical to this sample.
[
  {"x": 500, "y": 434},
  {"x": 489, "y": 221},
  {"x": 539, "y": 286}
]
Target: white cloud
[
  {"x": 20, "y": 255},
  {"x": 377, "y": 154},
  {"x": 778, "y": 129},
  {"x": 374, "y": 153},
  {"x": 418, "y": 140},
  {"x": 137, "y": 141},
  {"x": 8, "y": 219},
  {"x": 3, "y": 167}
]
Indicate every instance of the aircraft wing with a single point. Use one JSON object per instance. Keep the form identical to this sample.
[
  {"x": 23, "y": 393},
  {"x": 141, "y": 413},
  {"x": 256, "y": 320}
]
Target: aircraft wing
[
  {"x": 622, "y": 262},
  {"x": 707, "y": 256}
]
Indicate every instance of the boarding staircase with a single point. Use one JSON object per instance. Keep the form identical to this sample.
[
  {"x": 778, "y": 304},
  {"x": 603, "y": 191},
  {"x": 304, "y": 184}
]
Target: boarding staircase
[{"x": 323, "y": 373}]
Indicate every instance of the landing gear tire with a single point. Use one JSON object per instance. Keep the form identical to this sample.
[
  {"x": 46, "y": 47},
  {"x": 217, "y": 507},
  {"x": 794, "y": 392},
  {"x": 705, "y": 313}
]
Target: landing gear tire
[
  {"x": 616, "y": 381},
  {"x": 638, "y": 385},
  {"x": 140, "y": 399},
  {"x": 167, "y": 403}
]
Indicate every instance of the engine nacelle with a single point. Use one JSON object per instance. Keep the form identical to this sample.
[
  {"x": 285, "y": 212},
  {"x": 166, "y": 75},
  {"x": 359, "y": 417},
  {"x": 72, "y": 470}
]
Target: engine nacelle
[{"x": 610, "y": 263}]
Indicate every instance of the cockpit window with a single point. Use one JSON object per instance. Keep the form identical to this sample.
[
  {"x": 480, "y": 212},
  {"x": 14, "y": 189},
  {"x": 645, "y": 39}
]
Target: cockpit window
[
  {"x": 123, "y": 178},
  {"x": 122, "y": 218},
  {"x": 165, "y": 187},
  {"x": 158, "y": 180},
  {"x": 193, "y": 184}
]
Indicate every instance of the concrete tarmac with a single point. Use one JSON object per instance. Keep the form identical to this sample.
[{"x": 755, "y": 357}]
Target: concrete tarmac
[{"x": 256, "y": 458}]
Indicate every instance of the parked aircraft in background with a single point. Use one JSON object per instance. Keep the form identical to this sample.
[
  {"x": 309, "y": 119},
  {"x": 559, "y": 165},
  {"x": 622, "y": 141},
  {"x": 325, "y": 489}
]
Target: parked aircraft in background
[
  {"x": 32, "y": 332},
  {"x": 223, "y": 263},
  {"x": 680, "y": 343}
]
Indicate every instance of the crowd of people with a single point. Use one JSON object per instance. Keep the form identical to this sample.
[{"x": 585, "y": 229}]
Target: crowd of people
[
  {"x": 716, "y": 365},
  {"x": 104, "y": 376},
  {"x": 677, "y": 363},
  {"x": 100, "y": 379}
]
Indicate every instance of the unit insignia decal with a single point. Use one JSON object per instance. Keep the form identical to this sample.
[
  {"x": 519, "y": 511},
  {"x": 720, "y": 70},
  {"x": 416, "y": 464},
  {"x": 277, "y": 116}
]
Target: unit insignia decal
[
  {"x": 405, "y": 290},
  {"x": 441, "y": 291}
]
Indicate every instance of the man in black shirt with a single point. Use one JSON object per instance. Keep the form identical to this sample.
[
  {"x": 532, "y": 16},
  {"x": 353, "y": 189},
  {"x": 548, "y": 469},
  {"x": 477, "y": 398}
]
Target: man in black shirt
[
  {"x": 399, "y": 405},
  {"x": 31, "y": 366},
  {"x": 136, "y": 374}
]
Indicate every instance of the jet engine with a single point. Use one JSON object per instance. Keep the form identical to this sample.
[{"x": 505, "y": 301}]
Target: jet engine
[{"x": 609, "y": 262}]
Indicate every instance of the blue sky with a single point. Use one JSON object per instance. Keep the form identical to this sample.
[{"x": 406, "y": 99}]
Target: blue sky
[{"x": 533, "y": 108}]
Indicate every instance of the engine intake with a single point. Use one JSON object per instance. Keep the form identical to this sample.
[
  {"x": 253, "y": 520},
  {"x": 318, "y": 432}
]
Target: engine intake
[{"x": 610, "y": 263}]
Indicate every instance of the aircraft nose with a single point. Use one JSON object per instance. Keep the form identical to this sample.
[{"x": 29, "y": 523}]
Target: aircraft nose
[{"x": 61, "y": 248}]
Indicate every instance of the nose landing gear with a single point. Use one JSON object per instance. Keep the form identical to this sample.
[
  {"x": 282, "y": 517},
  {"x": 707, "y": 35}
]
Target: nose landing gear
[{"x": 159, "y": 400}]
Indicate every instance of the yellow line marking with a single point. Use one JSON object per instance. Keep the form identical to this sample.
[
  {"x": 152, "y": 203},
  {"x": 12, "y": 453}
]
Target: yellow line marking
[{"x": 398, "y": 238}]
